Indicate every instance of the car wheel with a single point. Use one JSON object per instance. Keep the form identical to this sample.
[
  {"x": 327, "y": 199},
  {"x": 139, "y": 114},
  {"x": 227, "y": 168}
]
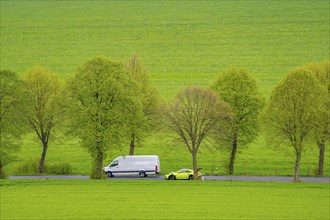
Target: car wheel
[
  {"x": 109, "y": 174},
  {"x": 191, "y": 177},
  {"x": 172, "y": 177},
  {"x": 142, "y": 174}
]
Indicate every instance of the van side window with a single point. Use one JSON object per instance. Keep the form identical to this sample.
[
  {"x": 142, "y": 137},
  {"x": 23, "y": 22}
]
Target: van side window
[{"x": 115, "y": 163}]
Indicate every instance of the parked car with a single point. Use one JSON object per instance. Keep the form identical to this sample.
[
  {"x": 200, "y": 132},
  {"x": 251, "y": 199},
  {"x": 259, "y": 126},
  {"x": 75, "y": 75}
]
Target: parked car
[
  {"x": 183, "y": 174},
  {"x": 128, "y": 165}
]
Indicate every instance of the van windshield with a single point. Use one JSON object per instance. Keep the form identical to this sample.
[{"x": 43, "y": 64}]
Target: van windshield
[{"x": 114, "y": 163}]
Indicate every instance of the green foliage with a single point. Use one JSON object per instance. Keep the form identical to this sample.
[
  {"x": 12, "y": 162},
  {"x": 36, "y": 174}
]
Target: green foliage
[
  {"x": 27, "y": 167},
  {"x": 42, "y": 112},
  {"x": 59, "y": 168},
  {"x": 292, "y": 111},
  {"x": 91, "y": 199},
  {"x": 240, "y": 90},
  {"x": 321, "y": 131},
  {"x": 322, "y": 72},
  {"x": 103, "y": 100},
  {"x": 140, "y": 126},
  {"x": 11, "y": 119},
  {"x": 3, "y": 173},
  {"x": 30, "y": 167}
]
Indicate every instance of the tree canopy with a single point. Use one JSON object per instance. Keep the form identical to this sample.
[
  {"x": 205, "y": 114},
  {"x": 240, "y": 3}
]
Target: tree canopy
[
  {"x": 103, "y": 101},
  {"x": 12, "y": 99},
  {"x": 150, "y": 101},
  {"x": 292, "y": 111},
  {"x": 42, "y": 110},
  {"x": 321, "y": 132},
  {"x": 240, "y": 90}
]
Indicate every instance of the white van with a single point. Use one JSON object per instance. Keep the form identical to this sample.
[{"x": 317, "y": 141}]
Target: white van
[{"x": 142, "y": 165}]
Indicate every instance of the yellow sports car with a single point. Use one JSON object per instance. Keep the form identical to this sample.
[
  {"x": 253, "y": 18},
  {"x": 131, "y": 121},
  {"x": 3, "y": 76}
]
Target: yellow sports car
[{"x": 183, "y": 174}]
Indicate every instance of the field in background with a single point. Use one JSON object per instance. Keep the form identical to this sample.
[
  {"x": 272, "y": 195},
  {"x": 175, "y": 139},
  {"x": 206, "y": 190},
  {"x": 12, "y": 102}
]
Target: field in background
[
  {"x": 186, "y": 42},
  {"x": 181, "y": 43},
  {"x": 88, "y": 199}
]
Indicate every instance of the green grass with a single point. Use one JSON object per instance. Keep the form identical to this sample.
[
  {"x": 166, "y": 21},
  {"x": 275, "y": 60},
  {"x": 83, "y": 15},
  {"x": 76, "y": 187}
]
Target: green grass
[
  {"x": 186, "y": 42},
  {"x": 87, "y": 199},
  {"x": 181, "y": 43}
]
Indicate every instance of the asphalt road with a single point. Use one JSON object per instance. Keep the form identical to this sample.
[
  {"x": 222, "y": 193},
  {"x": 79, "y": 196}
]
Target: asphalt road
[{"x": 208, "y": 178}]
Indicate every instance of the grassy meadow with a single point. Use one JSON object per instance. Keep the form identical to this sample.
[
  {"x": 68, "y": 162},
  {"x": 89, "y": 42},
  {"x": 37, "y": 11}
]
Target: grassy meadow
[
  {"x": 181, "y": 43},
  {"x": 88, "y": 199}
]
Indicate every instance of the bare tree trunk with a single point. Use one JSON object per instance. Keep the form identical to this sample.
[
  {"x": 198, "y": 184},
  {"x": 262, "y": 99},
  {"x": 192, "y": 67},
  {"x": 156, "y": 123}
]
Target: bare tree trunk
[
  {"x": 297, "y": 168},
  {"x": 97, "y": 174},
  {"x": 194, "y": 156},
  {"x": 321, "y": 159},
  {"x": 43, "y": 156},
  {"x": 2, "y": 170},
  {"x": 132, "y": 145},
  {"x": 233, "y": 154}
]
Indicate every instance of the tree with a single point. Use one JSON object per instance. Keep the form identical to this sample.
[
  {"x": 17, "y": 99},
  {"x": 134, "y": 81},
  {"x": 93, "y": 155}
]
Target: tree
[
  {"x": 103, "y": 100},
  {"x": 140, "y": 126},
  {"x": 321, "y": 132},
  {"x": 42, "y": 109},
  {"x": 11, "y": 121},
  {"x": 241, "y": 92},
  {"x": 292, "y": 112},
  {"x": 193, "y": 116}
]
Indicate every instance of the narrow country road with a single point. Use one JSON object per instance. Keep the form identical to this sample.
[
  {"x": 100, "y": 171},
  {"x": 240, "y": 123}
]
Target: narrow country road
[{"x": 218, "y": 178}]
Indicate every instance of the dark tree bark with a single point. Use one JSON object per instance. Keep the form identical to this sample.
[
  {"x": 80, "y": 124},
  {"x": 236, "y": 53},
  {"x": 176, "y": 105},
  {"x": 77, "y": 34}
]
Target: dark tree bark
[
  {"x": 233, "y": 154},
  {"x": 43, "y": 156},
  {"x": 321, "y": 159},
  {"x": 98, "y": 163},
  {"x": 297, "y": 167},
  {"x": 132, "y": 145},
  {"x": 194, "y": 156}
]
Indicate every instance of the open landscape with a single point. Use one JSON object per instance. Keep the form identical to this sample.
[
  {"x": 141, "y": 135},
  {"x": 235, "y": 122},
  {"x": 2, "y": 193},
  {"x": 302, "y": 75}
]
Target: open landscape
[{"x": 180, "y": 43}]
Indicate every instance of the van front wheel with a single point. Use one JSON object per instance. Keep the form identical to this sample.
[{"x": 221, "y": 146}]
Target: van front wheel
[
  {"x": 109, "y": 174},
  {"x": 142, "y": 174}
]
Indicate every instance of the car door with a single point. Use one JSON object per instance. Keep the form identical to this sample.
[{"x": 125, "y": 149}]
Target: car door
[{"x": 182, "y": 174}]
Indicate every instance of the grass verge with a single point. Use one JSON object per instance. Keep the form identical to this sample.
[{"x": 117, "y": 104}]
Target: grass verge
[{"x": 91, "y": 199}]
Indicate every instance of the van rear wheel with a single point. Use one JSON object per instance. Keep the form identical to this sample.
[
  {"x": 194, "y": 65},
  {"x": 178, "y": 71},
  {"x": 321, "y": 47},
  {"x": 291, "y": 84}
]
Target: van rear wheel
[{"x": 142, "y": 174}]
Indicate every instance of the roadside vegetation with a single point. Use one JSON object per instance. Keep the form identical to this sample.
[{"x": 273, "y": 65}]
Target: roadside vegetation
[
  {"x": 103, "y": 107},
  {"x": 116, "y": 107}
]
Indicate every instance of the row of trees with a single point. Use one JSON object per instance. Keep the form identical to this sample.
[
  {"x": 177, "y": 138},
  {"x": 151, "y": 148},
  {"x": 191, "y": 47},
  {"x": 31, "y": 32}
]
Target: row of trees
[
  {"x": 229, "y": 114},
  {"x": 108, "y": 104},
  {"x": 105, "y": 104}
]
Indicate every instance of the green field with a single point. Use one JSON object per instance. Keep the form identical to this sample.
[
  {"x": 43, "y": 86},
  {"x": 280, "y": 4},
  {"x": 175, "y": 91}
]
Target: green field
[
  {"x": 186, "y": 42},
  {"x": 87, "y": 199},
  {"x": 181, "y": 43}
]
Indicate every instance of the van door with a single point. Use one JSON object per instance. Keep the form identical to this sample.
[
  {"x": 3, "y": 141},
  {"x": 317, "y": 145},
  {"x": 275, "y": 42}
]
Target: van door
[{"x": 115, "y": 166}]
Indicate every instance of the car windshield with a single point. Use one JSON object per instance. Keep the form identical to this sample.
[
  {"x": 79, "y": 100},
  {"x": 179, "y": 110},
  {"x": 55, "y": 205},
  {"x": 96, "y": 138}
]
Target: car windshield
[{"x": 183, "y": 171}]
